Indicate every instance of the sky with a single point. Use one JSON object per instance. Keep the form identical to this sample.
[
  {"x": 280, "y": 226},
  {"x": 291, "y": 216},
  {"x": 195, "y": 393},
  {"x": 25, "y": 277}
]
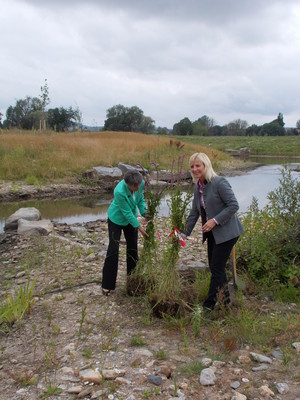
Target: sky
[{"x": 227, "y": 59}]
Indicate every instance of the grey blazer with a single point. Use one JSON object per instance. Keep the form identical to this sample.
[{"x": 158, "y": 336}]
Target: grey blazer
[{"x": 221, "y": 204}]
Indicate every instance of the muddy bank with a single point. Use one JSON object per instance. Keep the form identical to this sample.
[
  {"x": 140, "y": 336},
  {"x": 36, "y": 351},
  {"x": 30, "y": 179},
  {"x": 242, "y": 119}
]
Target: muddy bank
[{"x": 18, "y": 191}]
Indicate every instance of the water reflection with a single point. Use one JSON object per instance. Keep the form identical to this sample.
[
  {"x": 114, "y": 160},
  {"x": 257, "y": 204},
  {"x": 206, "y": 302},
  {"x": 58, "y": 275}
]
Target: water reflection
[{"x": 258, "y": 183}]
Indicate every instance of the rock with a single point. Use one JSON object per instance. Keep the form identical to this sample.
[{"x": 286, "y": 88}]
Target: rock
[
  {"x": 109, "y": 172},
  {"x": 260, "y": 368},
  {"x": 156, "y": 380},
  {"x": 42, "y": 227},
  {"x": 74, "y": 390},
  {"x": 277, "y": 354},
  {"x": 206, "y": 362},
  {"x": 238, "y": 396},
  {"x": 207, "y": 377},
  {"x": 78, "y": 230},
  {"x": 260, "y": 358},
  {"x": 126, "y": 167},
  {"x": 25, "y": 213},
  {"x": 218, "y": 364},
  {"x": 234, "y": 385},
  {"x": 90, "y": 375},
  {"x": 296, "y": 346},
  {"x": 266, "y": 391},
  {"x": 282, "y": 387},
  {"x": 112, "y": 373},
  {"x": 85, "y": 392},
  {"x": 244, "y": 359}
]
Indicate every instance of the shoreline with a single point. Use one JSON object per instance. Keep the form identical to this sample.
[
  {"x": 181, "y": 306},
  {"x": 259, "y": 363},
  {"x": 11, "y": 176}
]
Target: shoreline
[{"x": 19, "y": 191}]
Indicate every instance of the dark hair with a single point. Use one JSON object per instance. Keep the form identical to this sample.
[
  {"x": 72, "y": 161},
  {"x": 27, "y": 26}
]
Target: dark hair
[{"x": 133, "y": 177}]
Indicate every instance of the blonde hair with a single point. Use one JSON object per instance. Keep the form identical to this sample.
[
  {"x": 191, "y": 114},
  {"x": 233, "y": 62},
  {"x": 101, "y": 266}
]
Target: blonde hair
[{"x": 209, "y": 172}]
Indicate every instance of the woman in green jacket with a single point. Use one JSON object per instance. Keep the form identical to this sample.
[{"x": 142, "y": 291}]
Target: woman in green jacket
[{"x": 122, "y": 216}]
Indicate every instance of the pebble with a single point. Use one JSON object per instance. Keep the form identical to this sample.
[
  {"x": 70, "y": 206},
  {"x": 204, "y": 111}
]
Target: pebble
[
  {"x": 156, "y": 380},
  {"x": 260, "y": 368},
  {"x": 266, "y": 391},
  {"x": 207, "y": 377},
  {"x": 296, "y": 346},
  {"x": 282, "y": 387},
  {"x": 260, "y": 358},
  {"x": 234, "y": 385},
  {"x": 206, "y": 362},
  {"x": 238, "y": 396}
]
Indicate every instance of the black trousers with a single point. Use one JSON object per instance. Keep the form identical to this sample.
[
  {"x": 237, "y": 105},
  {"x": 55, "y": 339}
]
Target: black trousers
[
  {"x": 218, "y": 255},
  {"x": 110, "y": 268}
]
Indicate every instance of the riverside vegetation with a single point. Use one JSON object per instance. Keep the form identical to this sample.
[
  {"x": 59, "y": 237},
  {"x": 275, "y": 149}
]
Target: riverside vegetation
[{"x": 50, "y": 314}]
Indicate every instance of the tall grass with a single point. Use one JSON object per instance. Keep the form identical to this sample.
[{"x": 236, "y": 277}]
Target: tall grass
[{"x": 51, "y": 156}]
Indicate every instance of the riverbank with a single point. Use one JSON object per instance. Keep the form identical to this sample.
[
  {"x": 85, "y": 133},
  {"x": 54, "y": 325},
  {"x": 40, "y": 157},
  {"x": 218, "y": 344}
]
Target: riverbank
[
  {"x": 86, "y": 345},
  {"x": 18, "y": 191}
]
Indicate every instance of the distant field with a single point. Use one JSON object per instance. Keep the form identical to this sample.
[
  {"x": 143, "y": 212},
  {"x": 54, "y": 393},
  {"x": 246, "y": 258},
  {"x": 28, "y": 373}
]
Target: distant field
[
  {"x": 37, "y": 157},
  {"x": 267, "y": 145}
]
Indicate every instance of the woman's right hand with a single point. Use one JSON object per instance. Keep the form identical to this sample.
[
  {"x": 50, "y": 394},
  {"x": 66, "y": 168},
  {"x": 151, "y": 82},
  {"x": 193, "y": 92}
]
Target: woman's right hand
[{"x": 143, "y": 232}]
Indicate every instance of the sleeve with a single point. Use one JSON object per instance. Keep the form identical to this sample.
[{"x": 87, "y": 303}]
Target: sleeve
[
  {"x": 228, "y": 198},
  {"x": 141, "y": 200},
  {"x": 124, "y": 207}
]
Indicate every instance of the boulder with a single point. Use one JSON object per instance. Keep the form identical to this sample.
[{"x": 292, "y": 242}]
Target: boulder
[
  {"x": 110, "y": 172},
  {"x": 126, "y": 167},
  {"x": 25, "y": 213},
  {"x": 42, "y": 227}
]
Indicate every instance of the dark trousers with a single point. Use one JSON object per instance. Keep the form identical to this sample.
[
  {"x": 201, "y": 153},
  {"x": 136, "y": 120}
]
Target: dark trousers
[
  {"x": 110, "y": 268},
  {"x": 218, "y": 255}
]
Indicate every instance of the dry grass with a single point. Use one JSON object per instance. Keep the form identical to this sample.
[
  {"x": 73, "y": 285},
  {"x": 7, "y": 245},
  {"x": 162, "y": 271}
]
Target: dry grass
[{"x": 54, "y": 156}]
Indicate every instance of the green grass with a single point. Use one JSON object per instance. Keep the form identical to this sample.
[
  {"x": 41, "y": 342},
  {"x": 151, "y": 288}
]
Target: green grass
[
  {"x": 259, "y": 145},
  {"x": 16, "y": 306}
]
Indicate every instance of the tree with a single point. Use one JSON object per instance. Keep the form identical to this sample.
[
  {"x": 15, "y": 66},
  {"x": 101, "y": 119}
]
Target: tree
[
  {"x": 252, "y": 130},
  {"x": 127, "y": 119},
  {"x": 1, "y": 115},
  {"x": 45, "y": 99},
  {"x": 63, "y": 119},
  {"x": 25, "y": 114},
  {"x": 298, "y": 124},
  {"x": 183, "y": 127},
  {"x": 271, "y": 129},
  {"x": 237, "y": 127}
]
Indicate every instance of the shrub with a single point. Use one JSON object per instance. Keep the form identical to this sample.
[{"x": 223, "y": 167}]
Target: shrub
[{"x": 270, "y": 247}]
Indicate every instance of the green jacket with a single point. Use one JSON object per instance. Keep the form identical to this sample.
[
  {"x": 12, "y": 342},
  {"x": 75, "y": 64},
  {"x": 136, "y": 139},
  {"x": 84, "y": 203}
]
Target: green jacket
[{"x": 123, "y": 209}]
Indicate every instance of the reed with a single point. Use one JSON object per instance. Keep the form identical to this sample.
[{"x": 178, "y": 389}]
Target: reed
[{"x": 53, "y": 157}]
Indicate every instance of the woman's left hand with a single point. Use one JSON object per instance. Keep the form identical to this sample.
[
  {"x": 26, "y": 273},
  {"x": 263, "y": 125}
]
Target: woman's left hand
[
  {"x": 208, "y": 226},
  {"x": 143, "y": 232}
]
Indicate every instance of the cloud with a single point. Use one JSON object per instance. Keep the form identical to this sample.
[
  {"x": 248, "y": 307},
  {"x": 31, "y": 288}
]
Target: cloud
[{"x": 173, "y": 59}]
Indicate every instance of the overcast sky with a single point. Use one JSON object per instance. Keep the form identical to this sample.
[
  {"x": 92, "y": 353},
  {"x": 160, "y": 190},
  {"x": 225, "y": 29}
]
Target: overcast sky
[{"x": 226, "y": 59}]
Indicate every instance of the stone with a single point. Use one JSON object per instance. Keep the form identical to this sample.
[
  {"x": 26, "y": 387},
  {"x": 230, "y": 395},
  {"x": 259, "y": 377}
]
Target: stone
[
  {"x": 296, "y": 346},
  {"x": 234, "y": 385},
  {"x": 27, "y": 213},
  {"x": 266, "y": 391},
  {"x": 126, "y": 167},
  {"x": 206, "y": 362},
  {"x": 156, "y": 380},
  {"x": 112, "y": 373},
  {"x": 75, "y": 389},
  {"x": 283, "y": 388},
  {"x": 277, "y": 354},
  {"x": 42, "y": 227},
  {"x": 110, "y": 172},
  {"x": 260, "y": 358},
  {"x": 238, "y": 396},
  {"x": 260, "y": 368},
  {"x": 91, "y": 376},
  {"x": 218, "y": 364},
  {"x": 207, "y": 377}
]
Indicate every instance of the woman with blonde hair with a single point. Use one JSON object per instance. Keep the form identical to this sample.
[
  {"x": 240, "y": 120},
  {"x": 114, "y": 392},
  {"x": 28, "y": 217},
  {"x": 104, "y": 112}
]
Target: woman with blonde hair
[{"x": 216, "y": 204}]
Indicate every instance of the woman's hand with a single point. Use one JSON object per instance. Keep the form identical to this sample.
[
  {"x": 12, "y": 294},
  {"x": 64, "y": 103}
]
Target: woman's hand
[
  {"x": 143, "y": 232},
  {"x": 208, "y": 226}
]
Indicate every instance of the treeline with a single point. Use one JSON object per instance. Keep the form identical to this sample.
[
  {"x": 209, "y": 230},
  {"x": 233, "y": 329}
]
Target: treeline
[
  {"x": 32, "y": 113},
  {"x": 205, "y": 126}
]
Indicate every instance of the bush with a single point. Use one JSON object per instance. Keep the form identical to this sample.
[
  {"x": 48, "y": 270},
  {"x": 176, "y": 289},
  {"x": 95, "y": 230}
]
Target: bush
[{"x": 270, "y": 247}]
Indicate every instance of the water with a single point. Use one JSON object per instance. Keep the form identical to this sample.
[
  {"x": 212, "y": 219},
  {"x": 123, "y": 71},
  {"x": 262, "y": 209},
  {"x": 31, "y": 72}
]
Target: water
[{"x": 256, "y": 183}]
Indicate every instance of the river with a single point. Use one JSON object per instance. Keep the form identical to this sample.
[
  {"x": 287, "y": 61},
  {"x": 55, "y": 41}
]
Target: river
[{"x": 256, "y": 183}]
